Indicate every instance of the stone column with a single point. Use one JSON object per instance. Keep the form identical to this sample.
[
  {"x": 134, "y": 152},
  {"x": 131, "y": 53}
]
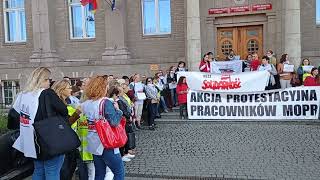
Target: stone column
[
  {"x": 115, "y": 25},
  {"x": 292, "y": 40},
  {"x": 193, "y": 44},
  {"x": 270, "y": 38},
  {"x": 43, "y": 24}
]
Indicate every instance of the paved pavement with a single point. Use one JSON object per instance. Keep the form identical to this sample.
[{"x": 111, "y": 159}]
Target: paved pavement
[
  {"x": 227, "y": 150},
  {"x": 222, "y": 151}
]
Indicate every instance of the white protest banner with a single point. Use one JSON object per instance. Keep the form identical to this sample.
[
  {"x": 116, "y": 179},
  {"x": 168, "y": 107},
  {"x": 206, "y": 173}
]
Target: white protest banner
[
  {"x": 218, "y": 67},
  {"x": 300, "y": 103},
  {"x": 243, "y": 82}
]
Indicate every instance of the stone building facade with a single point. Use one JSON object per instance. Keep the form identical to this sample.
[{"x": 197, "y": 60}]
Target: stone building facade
[{"x": 121, "y": 47}]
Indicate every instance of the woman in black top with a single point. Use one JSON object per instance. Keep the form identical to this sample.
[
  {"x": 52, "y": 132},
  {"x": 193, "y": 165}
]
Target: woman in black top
[{"x": 45, "y": 167}]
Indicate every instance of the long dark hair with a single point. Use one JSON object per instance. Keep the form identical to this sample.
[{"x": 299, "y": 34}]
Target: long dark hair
[
  {"x": 204, "y": 57},
  {"x": 313, "y": 69},
  {"x": 283, "y": 58},
  {"x": 181, "y": 62},
  {"x": 148, "y": 80},
  {"x": 181, "y": 80}
]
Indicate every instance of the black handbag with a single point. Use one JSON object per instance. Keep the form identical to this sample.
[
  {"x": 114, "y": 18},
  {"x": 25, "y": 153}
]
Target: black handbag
[
  {"x": 54, "y": 135},
  {"x": 13, "y": 119}
]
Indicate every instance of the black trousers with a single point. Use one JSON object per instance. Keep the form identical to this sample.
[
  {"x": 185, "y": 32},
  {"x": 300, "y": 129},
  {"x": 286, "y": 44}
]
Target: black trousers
[
  {"x": 125, "y": 149},
  {"x": 71, "y": 161},
  {"x": 152, "y": 111},
  {"x": 69, "y": 165},
  {"x": 183, "y": 110}
]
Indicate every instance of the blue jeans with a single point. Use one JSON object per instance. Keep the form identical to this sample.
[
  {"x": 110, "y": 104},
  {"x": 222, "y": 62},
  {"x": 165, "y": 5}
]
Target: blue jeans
[
  {"x": 49, "y": 169},
  {"x": 113, "y": 161},
  {"x": 174, "y": 97},
  {"x": 163, "y": 103}
]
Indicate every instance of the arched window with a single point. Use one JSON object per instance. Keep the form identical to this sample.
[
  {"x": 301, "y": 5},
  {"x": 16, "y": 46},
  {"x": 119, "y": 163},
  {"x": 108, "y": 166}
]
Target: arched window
[
  {"x": 226, "y": 47},
  {"x": 253, "y": 46}
]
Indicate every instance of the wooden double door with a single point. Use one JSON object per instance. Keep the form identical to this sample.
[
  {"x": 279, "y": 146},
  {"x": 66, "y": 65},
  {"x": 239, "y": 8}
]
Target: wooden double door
[{"x": 242, "y": 40}]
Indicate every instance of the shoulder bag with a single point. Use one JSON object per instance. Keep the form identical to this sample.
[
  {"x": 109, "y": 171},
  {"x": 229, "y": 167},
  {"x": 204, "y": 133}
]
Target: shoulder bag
[
  {"x": 54, "y": 135},
  {"x": 110, "y": 137}
]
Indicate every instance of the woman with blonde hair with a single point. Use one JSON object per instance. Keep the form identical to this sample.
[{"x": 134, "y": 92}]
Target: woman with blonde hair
[
  {"x": 96, "y": 90},
  {"x": 33, "y": 103},
  {"x": 63, "y": 90}
]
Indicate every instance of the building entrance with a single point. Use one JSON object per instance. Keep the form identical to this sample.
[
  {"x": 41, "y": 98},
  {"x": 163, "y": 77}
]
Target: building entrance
[{"x": 242, "y": 40}]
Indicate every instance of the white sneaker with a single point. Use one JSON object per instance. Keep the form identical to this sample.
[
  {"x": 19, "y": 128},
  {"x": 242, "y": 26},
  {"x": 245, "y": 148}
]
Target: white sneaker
[
  {"x": 166, "y": 111},
  {"x": 125, "y": 159},
  {"x": 130, "y": 156}
]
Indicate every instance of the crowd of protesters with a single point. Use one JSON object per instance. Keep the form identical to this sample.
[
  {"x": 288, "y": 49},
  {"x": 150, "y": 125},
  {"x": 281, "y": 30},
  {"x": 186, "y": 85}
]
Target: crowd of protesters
[
  {"x": 137, "y": 99},
  {"x": 280, "y": 78}
]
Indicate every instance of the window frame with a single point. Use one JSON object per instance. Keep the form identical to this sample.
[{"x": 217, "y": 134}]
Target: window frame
[
  {"x": 157, "y": 33},
  {"x": 74, "y": 81},
  {"x": 317, "y": 13},
  {"x": 84, "y": 31},
  {"x": 5, "y": 22},
  {"x": 15, "y": 91}
]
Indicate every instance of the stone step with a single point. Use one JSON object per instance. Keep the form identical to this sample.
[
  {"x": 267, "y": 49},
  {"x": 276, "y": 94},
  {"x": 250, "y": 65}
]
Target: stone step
[{"x": 170, "y": 115}]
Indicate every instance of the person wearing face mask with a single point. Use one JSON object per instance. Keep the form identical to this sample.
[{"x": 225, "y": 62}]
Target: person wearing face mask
[
  {"x": 265, "y": 66},
  {"x": 255, "y": 63},
  {"x": 273, "y": 59},
  {"x": 246, "y": 63},
  {"x": 152, "y": 101},
  {"x": 181, "y": 67},
  {"x": 161, "y": 87},
  {"x": 172, "y": 81},
  {"x": 205, "y": 65},
  {"x": 285, "y": 77},
  {"x": 231, "y": 56}
]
